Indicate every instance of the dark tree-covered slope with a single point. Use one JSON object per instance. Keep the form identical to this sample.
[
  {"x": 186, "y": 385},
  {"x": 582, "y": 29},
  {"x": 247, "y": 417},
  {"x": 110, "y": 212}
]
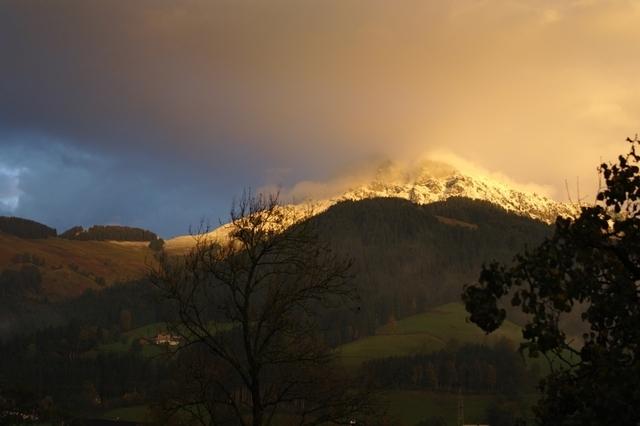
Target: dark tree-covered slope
[{"x": 408, "y": 257}]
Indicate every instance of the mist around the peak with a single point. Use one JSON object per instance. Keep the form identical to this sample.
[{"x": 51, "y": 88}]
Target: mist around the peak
[{"x": 435, "y": 165}]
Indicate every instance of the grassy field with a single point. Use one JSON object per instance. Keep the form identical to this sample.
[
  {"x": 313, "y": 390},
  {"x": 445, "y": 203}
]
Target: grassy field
[
  {"x": 71, "y": 267},
  {"x": 411, "y": 407},
  {"x": 136, "y": 413},
  {"x": 407, "y": 408},
  {"x": 423, "y": 333}
]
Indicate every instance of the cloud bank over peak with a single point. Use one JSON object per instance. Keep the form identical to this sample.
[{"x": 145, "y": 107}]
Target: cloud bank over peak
[{"x": 437, "y": 164}]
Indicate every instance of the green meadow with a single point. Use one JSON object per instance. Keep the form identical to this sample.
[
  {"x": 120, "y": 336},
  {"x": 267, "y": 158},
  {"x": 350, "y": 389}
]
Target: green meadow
[{"x": 423, "y": 333}]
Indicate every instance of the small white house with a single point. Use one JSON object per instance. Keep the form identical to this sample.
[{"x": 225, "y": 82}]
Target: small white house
[{"x": 166, "y": 339}]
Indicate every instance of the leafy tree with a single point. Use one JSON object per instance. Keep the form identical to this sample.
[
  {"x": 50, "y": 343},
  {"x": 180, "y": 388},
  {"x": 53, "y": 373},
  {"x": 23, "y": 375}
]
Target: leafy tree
[
  {"x": 157, "y": 244},
  {"x": 126, "y": 320},
  {"x": 590, "y": 266},
  {"x": 248, "y": 312}
]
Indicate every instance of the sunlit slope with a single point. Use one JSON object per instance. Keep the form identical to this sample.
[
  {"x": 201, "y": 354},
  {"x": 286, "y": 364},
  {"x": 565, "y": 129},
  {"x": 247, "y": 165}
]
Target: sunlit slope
[
  {"x": 70, "y": 267},
  {"x": 427, "y": 332}
]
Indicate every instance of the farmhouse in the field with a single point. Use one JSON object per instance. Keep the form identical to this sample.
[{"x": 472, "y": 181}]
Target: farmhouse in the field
[{"x": 166, "y": 339}]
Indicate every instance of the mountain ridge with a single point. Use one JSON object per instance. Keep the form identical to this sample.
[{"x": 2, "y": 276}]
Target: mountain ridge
[
  {"x": 434, "y": 181},
  {"x": 428, "y": 183}
]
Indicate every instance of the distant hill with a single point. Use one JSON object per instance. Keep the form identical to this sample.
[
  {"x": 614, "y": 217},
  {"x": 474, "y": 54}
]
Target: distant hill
[
  {"x": 25, "y": 228},
  {"x": 34, "y": 273},
  {"x": 37, "y": 269},
  {"x": 108, "y": 233},
  {"x": 70, "y": 267}
]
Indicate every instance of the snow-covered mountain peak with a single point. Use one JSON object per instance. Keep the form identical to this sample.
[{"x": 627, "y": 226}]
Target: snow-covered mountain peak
[
  {"x": 432, "y": 181},
  {"x": 427, "y": 182}
]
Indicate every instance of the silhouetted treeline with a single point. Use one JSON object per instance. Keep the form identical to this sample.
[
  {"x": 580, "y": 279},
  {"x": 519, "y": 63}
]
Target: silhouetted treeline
[
  {"x": 470, "y": 368},
  {"x": 108, "y": 232},
  {"x": 25, "y": 228}
]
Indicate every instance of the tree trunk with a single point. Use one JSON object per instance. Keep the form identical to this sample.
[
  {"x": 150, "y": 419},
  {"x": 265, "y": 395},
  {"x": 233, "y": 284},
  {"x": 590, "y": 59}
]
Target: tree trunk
[{"x": 257, "y": 410}]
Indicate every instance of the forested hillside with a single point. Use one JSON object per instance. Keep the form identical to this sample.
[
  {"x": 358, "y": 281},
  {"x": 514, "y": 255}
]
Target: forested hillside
[
  {"x": 36, "y": 274},
  {"x": 408, "y": 258}
]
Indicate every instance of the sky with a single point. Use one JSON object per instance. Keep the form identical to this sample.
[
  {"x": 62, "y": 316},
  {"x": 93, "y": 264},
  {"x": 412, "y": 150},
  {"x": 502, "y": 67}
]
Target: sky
[{"x": 156, "y": 113}]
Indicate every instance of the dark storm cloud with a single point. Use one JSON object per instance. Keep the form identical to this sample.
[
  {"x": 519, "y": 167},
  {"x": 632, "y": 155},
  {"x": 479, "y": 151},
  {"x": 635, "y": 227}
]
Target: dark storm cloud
[
  {"x": 64, "y": 186},
  {"x": 198, "y": 96},
  {"x": 200, "y": 80},
  {"x": 87, "y": 72}
]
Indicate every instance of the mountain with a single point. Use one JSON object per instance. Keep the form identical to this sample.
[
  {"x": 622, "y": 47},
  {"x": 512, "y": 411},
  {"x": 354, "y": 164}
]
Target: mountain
[
  {"x": 428, "y": 183},
  {"x": 433, "y": 181}
]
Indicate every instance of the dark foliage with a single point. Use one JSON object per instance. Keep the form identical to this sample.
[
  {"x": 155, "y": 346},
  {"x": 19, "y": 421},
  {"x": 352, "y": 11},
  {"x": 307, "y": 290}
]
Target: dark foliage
[
  {"x": 21, "y": 314},
  {"x": 504, "y": 413},
  {"x": 25, "y": 228},
  {"x": 20, "y": 282},
  {"x": 157, "y": 244},
  {"x": 433, "y": 421},
  {"x": 108, "y": 233},
  {"x": 470, "y": 368},
  {"x": 103, "y": 308},
  {"x": 591, "y": 265},
  {"x": 65, "y": 362}
]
